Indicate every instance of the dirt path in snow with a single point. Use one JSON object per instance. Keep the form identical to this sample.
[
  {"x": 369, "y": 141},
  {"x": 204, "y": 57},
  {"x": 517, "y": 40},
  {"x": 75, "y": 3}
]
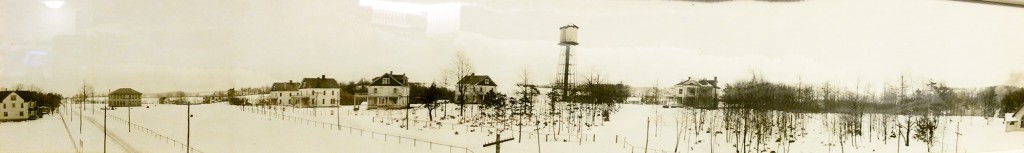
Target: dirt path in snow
[
  {"x": 113, "y": 136},
  {"x": 68, "y": 130}
]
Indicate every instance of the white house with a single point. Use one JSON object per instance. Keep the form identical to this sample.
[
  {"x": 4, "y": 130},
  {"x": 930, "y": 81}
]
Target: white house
[
  {"x": 319, "y": 92},
  {"x": 475, "y": 86},
  {"x": 1014, "y": 122},
  {"x": 388, "y": 91},
  {"x": 281, "y": 93},
  {"x": 16, "y": 105},
  {"x": 701, "y": 93}
]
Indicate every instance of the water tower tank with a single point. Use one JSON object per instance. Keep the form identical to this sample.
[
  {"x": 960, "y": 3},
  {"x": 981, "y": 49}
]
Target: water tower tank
[{"x": 568, "y": 37}]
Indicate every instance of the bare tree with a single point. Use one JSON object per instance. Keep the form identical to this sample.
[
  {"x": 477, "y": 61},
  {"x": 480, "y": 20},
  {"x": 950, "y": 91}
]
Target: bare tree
[{"x": 460, "y": 67}]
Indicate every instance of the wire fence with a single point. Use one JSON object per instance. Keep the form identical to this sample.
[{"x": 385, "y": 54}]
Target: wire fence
[
  {"x": 361, "y": 132},
  {"x": 161, "y": 137},
  {"x": 547, "y": 137},
  {"x": 635, "y": 149}
]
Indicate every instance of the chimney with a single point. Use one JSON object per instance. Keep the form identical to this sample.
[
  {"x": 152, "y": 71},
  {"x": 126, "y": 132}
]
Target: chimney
[
  {"x": 716, "y": 78},
  {"x": 472, "y": 74},
  {"x": 391, "y": 72},
  {"x": 688, "y": 78},
  {"x": 323, "y": 76}
]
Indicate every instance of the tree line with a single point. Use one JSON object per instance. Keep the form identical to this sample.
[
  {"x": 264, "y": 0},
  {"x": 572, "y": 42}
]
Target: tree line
[{"x": 900, "y": 97}]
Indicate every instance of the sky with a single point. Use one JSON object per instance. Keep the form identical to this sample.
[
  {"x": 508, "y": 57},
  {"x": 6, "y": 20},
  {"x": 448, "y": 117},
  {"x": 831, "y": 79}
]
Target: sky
[{"x": 200, "y": 46}]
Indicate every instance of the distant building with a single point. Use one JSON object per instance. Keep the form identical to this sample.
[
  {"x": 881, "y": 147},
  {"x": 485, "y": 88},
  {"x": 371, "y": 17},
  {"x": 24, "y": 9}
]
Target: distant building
[
  {"x": 475, "y": 86},
  {"x": 1014, "y": 123},
  {"x": 124, "y": 97},
  {"x": 388, "y": 91},
  {"x": 17, "y": 105},
  {"x": 281, "y": 93},
  {"x": 702, "y": 93},
  {"x": 319, "y": 92}
]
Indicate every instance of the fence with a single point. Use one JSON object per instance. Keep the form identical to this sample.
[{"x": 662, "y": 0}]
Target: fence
[
  {"x": 159, "y": 136},
  {"x": 352, "y": 130},
  {"x": 530, "y": 134}
]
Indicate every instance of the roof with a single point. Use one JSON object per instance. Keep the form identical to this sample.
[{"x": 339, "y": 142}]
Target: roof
[
  {"x": 567, "y": 26},
  {"x": 701, "y": 82},
  {"x": 321, "y": 82},
  {"x": 474, "y": 79},
  {"x": 123, "y": 91},
  {"x": 23, "y": 94},
  {"x": 284, "y": 86},
  {"x": 400, "y": 80}
]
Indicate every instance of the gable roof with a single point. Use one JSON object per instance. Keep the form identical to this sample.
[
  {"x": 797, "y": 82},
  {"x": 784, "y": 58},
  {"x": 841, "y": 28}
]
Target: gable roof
[
  {"x": 26, "y": 95},
  {"x": 701, "y": 82},
  {"x": 474, "y": 79},
  {"x": 1018, "y": 114},
  {"x": 284, "y": 86},
  {"x": 397, "y": 80},
  {"x": 321, "y": 82},
  {"x": 124, "y": 91}
]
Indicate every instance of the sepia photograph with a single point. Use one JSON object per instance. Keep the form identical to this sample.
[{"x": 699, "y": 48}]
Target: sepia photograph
[{"x": 512, "y": 76}]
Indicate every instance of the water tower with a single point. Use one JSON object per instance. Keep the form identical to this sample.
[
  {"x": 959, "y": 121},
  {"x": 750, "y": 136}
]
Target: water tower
[{"x": 566, "y": 80}]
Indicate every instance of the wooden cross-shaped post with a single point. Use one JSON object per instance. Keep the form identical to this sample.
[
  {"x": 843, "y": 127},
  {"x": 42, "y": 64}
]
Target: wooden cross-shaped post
[{"x": 497, "y": 143}]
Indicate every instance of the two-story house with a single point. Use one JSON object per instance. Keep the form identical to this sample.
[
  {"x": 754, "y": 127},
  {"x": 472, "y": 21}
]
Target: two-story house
[
  {"x": 388, "y": 91},
  {"x": 319, "y": 92},
  {"x": 281, "y": 93},
  {"x": 700, "y": 93},
  {"x": 16, "y": 105},
  {"x": 475, "y": 86}
]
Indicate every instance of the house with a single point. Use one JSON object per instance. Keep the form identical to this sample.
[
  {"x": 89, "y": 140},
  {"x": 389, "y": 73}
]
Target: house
[
  {"x": 17, "y": 105},
  {"x": 1015, "y": 123},
  {"x": 281, "y": 93},
  {"x": 475, "y": 86},
  {"x": 700, "y": 93},
  {"x": 388, "y": 91},
  {"x": 124, "y": 97},
  {"x": 319, "y": 92}
]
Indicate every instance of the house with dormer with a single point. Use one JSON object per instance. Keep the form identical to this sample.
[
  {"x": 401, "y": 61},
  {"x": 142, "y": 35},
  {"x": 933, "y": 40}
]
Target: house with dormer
[
  {"x": 388, "y": 91},
  {"x": 475, "y": 86},
  {"x": 700, "y": 93}
]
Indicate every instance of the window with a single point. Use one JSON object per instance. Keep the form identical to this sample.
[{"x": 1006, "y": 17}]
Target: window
[
  {"x": 680, "y": 91},
  {"x": 692, "y": 91},
  {"x": 374, "y": 90},
  {"x": 14, "y": 97},
  {"x": 21, "y": 113},
  {"x": 395, "y": 90},
  {"x": 387, "y": 80},
  {"x": 5, "y": 114}
]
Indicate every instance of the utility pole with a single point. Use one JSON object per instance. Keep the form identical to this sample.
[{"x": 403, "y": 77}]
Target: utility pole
[
  {"x": 497, "y": 143},
  {"x": 105, "y": 130},
  {"x": 129, "y": 119},
  {"x": 647, "y": 137},
  {"x": 188, "y": 128},
  {"x": 337, "y": 113}
]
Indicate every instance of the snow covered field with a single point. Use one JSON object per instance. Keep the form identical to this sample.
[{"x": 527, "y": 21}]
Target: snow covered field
[{"x": 220, "y": 127}]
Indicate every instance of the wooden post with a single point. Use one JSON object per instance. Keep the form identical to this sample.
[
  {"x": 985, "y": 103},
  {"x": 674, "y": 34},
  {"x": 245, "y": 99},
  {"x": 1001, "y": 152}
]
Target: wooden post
[
  {"x": 104, "y": 130},
  {"x": 497, "y": 143}
]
